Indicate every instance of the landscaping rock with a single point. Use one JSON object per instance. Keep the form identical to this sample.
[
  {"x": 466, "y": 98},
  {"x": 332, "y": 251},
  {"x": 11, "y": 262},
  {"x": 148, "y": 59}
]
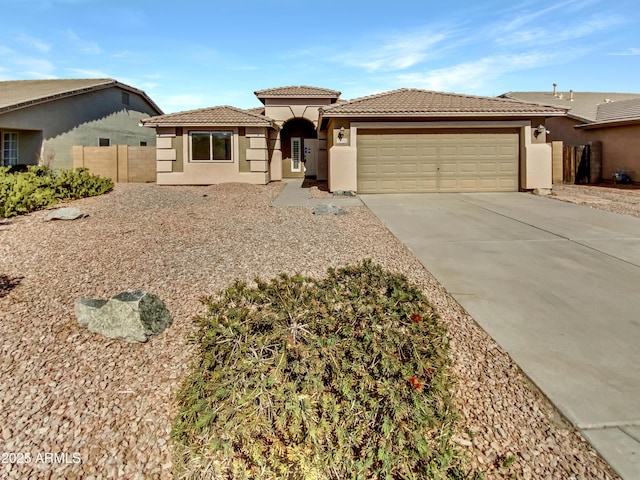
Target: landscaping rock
[
  {"x": 344, "y": 193},
  {"x": 66, "y": 213},
  {"x": 133, "y": 315},
  {"x": 328, "y": 209}
]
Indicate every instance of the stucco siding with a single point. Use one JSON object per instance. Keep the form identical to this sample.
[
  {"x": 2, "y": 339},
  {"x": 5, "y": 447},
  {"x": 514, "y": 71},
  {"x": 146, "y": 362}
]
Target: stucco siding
[
  {"x": 620, "y": 144},
  {"x": 620, "y": 150},
  {"x": 249, "y": 164},
  {"x": 80, "y": 120},
  {"x": 562, "y": 129}
]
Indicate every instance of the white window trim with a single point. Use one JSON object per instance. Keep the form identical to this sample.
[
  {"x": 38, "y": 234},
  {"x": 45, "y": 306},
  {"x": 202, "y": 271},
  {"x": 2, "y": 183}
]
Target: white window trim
[
  {"x": 209, "y": 132},
  {"x": 5, "y": 162}
]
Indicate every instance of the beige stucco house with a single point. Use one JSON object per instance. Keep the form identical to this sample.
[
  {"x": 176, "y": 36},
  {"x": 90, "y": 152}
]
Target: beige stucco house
[
  {"x": 406, "y": 140},
  {"x": 42, "y": 120},
  {"x": 606, "y": 120}
]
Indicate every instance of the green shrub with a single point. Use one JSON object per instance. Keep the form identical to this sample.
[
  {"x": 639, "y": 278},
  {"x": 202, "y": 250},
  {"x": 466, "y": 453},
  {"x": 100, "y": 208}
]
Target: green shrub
[
  {"x": 79, "y": 183},
  {"x": 345, "y": 377},
  {"x": 40, "y": 187}
]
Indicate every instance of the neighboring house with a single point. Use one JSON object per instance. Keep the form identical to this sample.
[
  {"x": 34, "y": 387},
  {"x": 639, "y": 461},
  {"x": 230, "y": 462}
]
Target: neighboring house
[
  {"x": 406, "y": 140},
  {"x": 610, "y": 118},
  {"x": 41, "y": 120}
]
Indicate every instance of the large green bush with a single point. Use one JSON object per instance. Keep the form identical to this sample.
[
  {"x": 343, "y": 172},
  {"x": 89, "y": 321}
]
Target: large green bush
[
  {"x": 40, "y": 187},
  {"x": 343, "y": 378}
]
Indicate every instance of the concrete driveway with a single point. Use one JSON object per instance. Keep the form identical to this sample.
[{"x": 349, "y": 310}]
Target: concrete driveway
[{"x": 557, "y": 285}]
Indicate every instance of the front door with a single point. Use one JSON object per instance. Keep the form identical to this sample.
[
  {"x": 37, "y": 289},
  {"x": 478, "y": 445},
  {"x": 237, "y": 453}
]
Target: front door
[{"x": 311, "y": 157}]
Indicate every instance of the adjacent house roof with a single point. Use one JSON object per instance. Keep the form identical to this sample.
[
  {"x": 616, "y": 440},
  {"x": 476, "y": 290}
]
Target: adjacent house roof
[
  {"x": 410, "y": 102},
  {"x": 583, "y": 106},
  {"x": 17, "y": 94},
  {"x": 300, "y": 91},
  {"x": 622, "y": 112},
  {"x": 223, "y": 116}
]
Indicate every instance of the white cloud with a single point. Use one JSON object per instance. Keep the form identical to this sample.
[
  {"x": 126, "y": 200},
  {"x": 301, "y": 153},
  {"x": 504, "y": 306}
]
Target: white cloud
[
  {"x": 561, "y": 10},
  {"x": 84, "y": 46},
  {"x": 631, "y": 52},
  {"x": 541, "y": 36},
  {"x": 86, "y": 73},
  {"x": 474, "y": 75},
  {"x": 33, "y": 42},
  {"x": 396, "y": 52},
  {"x": 34, "y": 67},
  {"x": 185, "y": 101}
]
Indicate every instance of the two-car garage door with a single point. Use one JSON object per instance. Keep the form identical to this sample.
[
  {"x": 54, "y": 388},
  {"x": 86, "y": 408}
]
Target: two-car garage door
[{"x": 437, "y": 161}]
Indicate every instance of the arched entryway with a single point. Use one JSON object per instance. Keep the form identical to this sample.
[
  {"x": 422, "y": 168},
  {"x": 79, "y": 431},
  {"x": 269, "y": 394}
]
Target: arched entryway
[{"x": 299, "y": 144}]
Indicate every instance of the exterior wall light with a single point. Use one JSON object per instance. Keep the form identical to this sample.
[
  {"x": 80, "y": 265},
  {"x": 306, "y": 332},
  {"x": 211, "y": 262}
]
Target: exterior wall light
[
  {"x": 539, "y": 131},
  {"x": 341, "y": 133}
]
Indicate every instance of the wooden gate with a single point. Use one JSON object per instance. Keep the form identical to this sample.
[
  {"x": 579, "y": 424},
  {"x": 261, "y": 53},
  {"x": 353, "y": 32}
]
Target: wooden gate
[{"x": 582, "y": 163}]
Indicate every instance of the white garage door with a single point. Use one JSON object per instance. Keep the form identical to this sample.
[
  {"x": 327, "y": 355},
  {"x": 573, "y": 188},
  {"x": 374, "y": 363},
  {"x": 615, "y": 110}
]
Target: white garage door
[{"x": 415, "y": 161}]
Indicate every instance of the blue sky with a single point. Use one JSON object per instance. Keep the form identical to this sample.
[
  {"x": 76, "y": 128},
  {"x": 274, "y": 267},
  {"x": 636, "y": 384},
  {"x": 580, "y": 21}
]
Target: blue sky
[{"x": 187, "y": 54}]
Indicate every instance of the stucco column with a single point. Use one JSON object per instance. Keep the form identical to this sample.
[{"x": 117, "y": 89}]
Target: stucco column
[
  {"x": 343, "y": 174},
  {"x": 275, "y": 163}
]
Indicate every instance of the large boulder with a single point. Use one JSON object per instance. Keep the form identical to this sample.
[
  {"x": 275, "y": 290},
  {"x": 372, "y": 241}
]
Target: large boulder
[
  {"x": 133, "y": 315},
  {"x": 328, "y": 209},
  {"x": 66, "y": 213}
]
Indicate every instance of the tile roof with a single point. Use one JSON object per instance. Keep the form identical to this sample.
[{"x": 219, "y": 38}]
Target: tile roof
[
  {"x": 256, "y": 110},
  {"x": 425, "y": 103},
  {"x": 297, "y": 91},
  {"x": 619, "y": 110},
  {"x": 17, "y": 94},
  {"x": 583, "y": 107},
  {"x": 214, "y": 116}
]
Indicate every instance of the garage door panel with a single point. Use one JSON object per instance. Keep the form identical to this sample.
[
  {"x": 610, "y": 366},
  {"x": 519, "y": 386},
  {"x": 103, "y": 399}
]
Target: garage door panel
[
  {"x": 468, "y": 167},
  {"x": 431, "y": 162},
  {"x": 489, "y": 168},
  {"x": 448, "y": 167},
  {"x": 508, "y": 167},
  {"x": 428, "y": 169},
  {"x": 409, "y": 168}
]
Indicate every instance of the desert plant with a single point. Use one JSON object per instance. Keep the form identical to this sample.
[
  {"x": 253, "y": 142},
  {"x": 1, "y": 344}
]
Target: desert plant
[
  {"x": 79, "y": 183},
  {"x": 40, "y": 187},
  {"x": 345, "y": 377}
]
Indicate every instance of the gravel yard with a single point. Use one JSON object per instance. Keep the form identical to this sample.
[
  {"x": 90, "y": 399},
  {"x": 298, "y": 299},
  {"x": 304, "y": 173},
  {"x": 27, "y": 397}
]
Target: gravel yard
[
  {"x": 109, "y": 405},
  {"x": 625, "y": 200}
]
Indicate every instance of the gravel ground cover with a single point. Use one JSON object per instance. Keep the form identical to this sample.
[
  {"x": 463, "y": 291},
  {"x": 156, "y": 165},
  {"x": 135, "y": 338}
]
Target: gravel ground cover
[
  {"x": 105, "y": 407},
  {"x": 622, "y": 199}
]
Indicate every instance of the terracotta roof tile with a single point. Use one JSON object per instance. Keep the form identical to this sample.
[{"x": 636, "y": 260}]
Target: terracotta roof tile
[
  {"x": 214, "y": 116},
  {"x": 298, "y": 91},
  {"x": 584, "y": 105},
  {"x": 426, "y": 103},
  {"x": 16, "y": 94}
]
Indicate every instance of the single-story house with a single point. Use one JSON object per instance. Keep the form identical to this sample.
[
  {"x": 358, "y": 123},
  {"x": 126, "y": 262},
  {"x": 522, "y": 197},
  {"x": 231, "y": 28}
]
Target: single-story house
[
  {"x": 610, "y": 120},
  {"x": 406, "y": 140},
  {"x": 41, "y": 120}
]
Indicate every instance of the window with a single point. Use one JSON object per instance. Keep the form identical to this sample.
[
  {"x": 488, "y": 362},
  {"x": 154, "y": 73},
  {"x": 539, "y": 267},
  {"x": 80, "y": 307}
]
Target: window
[
  {"x": 211, "y": 146},
  {"x": 104, "y": 142},
  {"x": 296, "y": 155},
  {"x": 10, "y": 148},
  {"x": 125, "y": 98},
  {"x": 143, "y": 143}
]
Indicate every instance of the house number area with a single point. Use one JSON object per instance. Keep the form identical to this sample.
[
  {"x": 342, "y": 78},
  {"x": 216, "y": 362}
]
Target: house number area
[{"x": 45, "y": 457}]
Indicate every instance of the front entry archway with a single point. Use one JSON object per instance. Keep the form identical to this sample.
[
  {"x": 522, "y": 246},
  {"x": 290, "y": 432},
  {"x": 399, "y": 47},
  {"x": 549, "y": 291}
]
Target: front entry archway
[{"x": 299, "y": 144}]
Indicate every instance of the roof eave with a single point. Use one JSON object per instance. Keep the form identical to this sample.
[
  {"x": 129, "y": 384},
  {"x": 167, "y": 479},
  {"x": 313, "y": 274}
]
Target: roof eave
[
  {"x": 80, "y": 91},
  {"x": 609, "y": 123},
  {"x": 443, "y": 114},
  {"x": 206, "y": 124}
]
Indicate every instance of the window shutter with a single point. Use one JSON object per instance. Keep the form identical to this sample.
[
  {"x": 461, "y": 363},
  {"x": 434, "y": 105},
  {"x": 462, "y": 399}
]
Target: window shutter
[{"x": 296, "y": 154}]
